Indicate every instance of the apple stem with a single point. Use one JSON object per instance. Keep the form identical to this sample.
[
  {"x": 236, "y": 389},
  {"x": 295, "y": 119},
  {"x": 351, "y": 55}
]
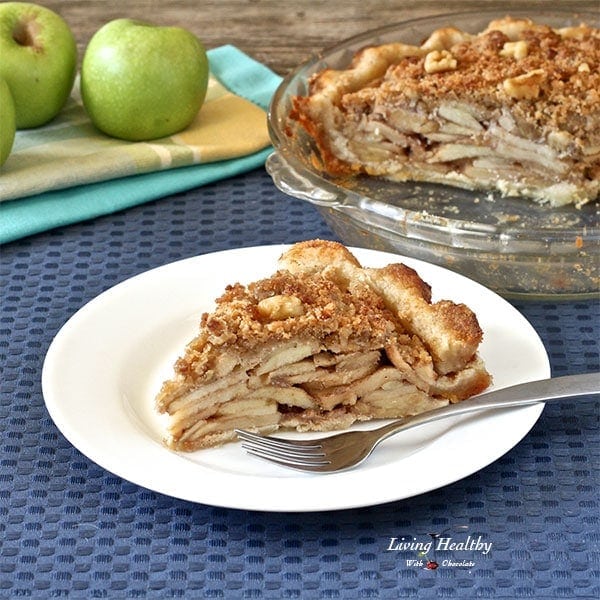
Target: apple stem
[{"x": 25, "y": 33}]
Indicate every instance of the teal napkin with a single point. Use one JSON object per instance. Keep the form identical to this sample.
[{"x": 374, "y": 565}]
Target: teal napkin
[{"x": 234, "y": 72}]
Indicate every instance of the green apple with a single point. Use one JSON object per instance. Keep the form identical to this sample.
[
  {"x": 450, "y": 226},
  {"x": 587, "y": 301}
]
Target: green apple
[
  {"x": 140, "y": 81},
  {"x": 38, "y": 60},
  {"x": 7, "y": 122}
]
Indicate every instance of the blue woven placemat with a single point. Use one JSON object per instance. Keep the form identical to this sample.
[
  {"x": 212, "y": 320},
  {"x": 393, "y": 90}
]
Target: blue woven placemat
[{"x": 70, "y": 529}]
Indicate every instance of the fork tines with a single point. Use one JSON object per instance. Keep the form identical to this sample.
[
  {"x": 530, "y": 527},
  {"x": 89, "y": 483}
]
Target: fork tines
[{"x": 303, "y": 454}]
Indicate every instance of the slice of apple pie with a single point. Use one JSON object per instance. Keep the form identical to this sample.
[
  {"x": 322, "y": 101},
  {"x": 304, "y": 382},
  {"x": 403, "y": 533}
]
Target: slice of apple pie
[
  {"x": 319, "y": 345},
  {"x": 514, "y": 108}
]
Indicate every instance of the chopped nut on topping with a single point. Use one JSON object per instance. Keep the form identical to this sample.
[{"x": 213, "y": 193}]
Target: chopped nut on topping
[
  {"x": 577, "y": 33},
  {"x": 517, "y": 50},
  {"x": 445, "y": 38},
  {"x": 280, "y": 307},
  {"x": 584, "y": 68},
  {"x": 437, "y": 61},
  {"x": 524, "y": 86}
]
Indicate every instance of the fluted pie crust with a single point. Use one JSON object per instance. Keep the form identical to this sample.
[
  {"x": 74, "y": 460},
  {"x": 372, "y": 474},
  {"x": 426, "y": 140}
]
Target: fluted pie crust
[
  {"x": 319, "y": 345},
  {"x": 514, "y": 108}
]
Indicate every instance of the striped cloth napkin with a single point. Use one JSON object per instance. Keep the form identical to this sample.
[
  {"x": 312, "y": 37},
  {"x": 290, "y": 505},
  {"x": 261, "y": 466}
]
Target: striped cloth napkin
[{"x": 67, "y": 171}]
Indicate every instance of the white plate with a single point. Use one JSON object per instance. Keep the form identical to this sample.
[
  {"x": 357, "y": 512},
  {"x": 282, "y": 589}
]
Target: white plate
[{"x": 106, "y": 364}]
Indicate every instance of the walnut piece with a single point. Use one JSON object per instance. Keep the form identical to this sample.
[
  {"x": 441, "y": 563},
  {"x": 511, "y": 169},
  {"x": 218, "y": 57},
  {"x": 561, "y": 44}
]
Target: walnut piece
[
  {"x": 282, "y": 306},
  {"x": 577, "y": 33},
  {"x": 524, "y": 86},
  {"x": 439, "y": 60},
  {"x": 517, "y": 50}
]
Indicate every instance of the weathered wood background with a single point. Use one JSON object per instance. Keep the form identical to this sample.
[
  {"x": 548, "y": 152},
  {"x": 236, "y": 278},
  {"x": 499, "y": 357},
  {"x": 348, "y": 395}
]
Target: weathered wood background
[{"x": 279, "y": 33}]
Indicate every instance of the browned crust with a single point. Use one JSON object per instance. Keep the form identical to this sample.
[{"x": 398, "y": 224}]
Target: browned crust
[
  {"x": 406, "y": 278},
  {"x": 312, "y": 256},
  {"x": 301, "y": 112}
]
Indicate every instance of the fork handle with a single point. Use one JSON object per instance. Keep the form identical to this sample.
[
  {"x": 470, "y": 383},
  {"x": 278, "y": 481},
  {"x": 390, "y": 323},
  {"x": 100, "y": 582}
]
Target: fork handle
[{"x": 523, "y": 394}]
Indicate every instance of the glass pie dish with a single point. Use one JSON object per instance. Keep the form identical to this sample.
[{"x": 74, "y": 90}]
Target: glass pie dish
[{"x": 518, "y": 248}]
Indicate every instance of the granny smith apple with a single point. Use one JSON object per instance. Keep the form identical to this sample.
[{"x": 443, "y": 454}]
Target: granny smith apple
[
  {"x": 7, "y": 122},
  {"x": 38, "y": 60},
  {"x": 141, "y": 81}
]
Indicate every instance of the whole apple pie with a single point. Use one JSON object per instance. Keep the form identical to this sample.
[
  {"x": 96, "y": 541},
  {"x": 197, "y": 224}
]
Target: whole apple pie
[
  {"x": 514, "y": 108},
  {"x": 319, "y": 345}
]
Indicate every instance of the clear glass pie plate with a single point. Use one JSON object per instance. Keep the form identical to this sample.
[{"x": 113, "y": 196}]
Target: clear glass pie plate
[{"x": 516, "y": 247}]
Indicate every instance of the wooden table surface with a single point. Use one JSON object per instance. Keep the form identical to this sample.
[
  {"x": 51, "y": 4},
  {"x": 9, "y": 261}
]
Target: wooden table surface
[{"x": 279, "y": 33}]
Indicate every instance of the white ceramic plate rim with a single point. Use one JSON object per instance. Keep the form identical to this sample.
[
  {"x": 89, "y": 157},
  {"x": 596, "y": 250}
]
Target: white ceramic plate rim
[{"x": 106, "y": 363}]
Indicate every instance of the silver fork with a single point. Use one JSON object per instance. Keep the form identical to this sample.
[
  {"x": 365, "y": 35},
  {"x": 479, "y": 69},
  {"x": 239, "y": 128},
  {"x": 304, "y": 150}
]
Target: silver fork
[{"x": 346, "y": 450}]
